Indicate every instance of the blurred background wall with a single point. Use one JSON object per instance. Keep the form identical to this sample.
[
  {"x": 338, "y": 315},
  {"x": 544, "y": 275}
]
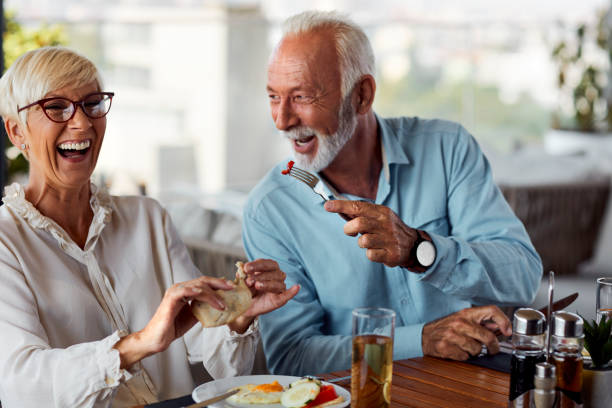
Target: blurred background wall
[
  {"x": 190, "y": 114},
  {"x": 190, "y": 123}
]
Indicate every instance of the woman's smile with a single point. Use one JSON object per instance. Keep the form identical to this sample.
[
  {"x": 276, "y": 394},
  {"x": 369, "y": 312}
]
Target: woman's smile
[{"x": 74, "y": 150}]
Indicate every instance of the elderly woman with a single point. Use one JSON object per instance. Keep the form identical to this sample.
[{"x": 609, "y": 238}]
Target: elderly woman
[{"x": 94, "y": 287}]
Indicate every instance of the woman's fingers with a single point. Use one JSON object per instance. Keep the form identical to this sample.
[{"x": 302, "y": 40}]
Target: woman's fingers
[
  {"x": 209, "y": 281},
  {"x": 198, "y": 289},
  {"x": 209, "y": 296}
]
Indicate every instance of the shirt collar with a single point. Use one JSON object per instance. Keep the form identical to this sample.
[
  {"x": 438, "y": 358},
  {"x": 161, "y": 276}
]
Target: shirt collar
[{"x": 393, "y": 151}]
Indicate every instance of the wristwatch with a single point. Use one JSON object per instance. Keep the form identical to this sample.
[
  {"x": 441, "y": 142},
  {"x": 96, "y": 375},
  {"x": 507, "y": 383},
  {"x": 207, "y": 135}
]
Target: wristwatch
[{"x": 423, "y": 253}]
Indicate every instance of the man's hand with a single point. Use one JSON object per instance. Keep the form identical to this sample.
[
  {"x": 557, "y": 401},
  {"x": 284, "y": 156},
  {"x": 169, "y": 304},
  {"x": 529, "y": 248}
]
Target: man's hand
[
  {"x": 383, "y": 234},
  {"x": 462, "y": 334},
  {"x": 267, "y": 284}
]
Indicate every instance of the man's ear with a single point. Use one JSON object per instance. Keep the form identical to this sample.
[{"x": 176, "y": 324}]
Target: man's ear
[
  {"x": 15, "y": 132},
  {"x": 365, "y": 90}
]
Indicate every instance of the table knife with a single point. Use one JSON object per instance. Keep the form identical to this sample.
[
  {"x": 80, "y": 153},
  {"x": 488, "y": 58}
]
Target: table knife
[
  {"x": 560, "y": 304},
  {"x": 506, "y": 346},
  {"x": 213, "y": 399}
]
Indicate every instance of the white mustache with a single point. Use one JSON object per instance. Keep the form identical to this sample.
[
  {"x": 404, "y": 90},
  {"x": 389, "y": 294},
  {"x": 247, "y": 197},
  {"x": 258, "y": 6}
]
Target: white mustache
[{"x": 298, "y": 133}]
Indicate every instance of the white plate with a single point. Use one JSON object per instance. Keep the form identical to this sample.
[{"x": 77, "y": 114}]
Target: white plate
[{"x": 217, "y": 387}]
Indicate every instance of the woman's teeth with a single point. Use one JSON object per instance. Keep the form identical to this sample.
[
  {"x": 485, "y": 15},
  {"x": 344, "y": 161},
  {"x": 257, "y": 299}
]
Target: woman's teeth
[{"x": 75, "y": 146}]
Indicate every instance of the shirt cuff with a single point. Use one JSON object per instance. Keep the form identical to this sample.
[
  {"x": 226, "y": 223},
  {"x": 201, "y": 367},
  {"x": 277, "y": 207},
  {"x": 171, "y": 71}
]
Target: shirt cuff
[
  {"x": 252, "y": 330},
  {"x": 109, "y": 360},
  {"x": 408, "y": 341},
  {"x": 439, "y": 273}
]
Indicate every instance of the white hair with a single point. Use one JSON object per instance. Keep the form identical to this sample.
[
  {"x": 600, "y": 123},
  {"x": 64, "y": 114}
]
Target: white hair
[
  {"x": 38, "y": 72},
  {"x": 352, "y": 45}
]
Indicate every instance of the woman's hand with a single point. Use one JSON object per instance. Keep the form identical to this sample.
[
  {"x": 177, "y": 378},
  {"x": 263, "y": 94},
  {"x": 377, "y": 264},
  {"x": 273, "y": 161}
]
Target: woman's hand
[
  {"x": 172, "y": 319},
  {"x": 267, "y": 284}
]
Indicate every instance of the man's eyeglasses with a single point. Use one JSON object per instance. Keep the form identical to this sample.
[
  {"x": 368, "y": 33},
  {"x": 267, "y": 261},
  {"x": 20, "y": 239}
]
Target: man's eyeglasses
[{"x": 95, "y": 106}]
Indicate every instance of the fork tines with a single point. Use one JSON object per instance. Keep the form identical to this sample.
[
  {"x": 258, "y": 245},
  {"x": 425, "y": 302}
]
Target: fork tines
[{"x": 304, "y": 176}]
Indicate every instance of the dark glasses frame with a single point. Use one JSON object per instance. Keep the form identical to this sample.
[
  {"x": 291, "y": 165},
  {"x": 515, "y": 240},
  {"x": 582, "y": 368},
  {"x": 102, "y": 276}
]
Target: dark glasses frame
[{"x": 75, "y": 105}]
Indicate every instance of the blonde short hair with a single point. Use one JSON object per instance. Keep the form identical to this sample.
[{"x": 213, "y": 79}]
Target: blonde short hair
[
  {"x": 354, "y": 50},
  {"x": 36, "y": 73}
]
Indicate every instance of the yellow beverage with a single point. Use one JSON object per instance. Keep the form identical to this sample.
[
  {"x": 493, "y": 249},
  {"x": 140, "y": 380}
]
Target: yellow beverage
[{"x": 371, "y": 371}]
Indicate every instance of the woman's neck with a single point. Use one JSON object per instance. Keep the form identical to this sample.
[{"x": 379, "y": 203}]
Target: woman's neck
[{"x": 68, "y": 207}]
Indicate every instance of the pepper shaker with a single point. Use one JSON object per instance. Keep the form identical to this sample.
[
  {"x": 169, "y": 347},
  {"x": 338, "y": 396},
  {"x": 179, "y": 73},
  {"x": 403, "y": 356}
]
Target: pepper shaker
[
  {"x": 528, "y": 342},
  {"x": 567, "y": 342}
]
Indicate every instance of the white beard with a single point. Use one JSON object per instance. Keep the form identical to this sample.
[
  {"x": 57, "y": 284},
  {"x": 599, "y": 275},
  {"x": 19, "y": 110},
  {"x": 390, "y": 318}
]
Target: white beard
[{"x": 328, "y": 146}]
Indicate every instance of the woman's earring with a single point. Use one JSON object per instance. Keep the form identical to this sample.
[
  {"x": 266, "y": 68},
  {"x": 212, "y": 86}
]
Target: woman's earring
[{"x": 23, "y": 146}]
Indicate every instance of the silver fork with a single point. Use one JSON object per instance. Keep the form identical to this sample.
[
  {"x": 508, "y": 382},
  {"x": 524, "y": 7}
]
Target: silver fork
[{"x": 314, "y": 183}]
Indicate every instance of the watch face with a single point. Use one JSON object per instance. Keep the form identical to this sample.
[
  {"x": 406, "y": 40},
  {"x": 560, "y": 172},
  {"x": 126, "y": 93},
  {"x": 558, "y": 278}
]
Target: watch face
[{"x": 426, "y": 253}]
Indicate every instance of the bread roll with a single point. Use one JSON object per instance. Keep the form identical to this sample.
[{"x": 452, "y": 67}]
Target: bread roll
[{"x": 237, "y": 301}]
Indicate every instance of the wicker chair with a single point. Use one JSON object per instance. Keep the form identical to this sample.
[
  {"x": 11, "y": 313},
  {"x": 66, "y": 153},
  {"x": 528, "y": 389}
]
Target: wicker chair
[{"x": 563, "y": 220}]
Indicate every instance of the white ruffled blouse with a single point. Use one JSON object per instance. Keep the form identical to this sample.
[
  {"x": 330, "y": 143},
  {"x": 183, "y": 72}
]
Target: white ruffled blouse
[{"x": 62, "y": 308}]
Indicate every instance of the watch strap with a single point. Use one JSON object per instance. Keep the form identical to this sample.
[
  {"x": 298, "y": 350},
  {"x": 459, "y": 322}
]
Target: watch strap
[{"x": 414, "y": 264}]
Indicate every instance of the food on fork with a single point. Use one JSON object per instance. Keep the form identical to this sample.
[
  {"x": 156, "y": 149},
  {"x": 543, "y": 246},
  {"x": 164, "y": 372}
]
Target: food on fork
[
  {"x": 308, "y": 392},
  {"x": 237, "y": 301},
  {"x": 258, "y": 394},
  {"x": 289, "y": 167}
]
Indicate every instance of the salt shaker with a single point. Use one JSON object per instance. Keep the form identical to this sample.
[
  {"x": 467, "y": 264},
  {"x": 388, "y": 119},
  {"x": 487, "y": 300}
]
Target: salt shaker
[{"x": 545, "y": 382}]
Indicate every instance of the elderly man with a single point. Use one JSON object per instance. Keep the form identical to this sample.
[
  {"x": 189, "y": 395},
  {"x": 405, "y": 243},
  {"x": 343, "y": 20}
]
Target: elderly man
[{"x": 429, "y": 235}]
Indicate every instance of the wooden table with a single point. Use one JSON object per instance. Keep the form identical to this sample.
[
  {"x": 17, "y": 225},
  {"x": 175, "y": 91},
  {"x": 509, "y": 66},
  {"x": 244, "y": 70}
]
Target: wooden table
[{"x": 431, "y": 382}]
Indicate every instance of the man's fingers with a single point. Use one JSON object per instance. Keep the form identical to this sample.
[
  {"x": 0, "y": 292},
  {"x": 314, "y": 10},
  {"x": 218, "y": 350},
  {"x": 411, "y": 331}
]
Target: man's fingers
[
  {"x": 488, "y": 314},
  {"x": 269, "y": 301},
  {"x": 260, "y": 265},
  {"x": 449, "y": 349},
  {"x": 477, "y": 332},
  {"x": 361, "y": 225},
  {"x": 354, "y": 208},
  {"x": 465, "y": 343},
  {"x": 377, "y": 255},
  {"x": 272, "y": 286},
  {"x": 372, "y": 241},
  {"x": 283, "y": 297}
]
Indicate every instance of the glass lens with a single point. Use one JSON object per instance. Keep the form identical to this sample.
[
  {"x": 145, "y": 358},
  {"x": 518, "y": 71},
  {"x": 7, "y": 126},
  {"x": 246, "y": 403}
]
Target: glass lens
[
  {"x": 96, "y": 105},
  {"x": 58, "y": 109}
]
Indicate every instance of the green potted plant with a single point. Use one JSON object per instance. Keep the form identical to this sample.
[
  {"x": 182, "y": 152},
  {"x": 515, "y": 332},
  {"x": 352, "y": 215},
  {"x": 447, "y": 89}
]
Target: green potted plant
[
  {"x": 597, "y": 375},
  {"x": 583, "y": 119},
  {"x": 16, "y": 41}
]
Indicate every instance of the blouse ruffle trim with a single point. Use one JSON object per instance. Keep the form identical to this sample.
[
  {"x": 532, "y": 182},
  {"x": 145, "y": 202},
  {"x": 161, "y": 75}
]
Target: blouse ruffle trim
[
  {"x": 109, "y": 361},
  {"x": 251, "y": 331},
  {"x": 100, "y": 201}
]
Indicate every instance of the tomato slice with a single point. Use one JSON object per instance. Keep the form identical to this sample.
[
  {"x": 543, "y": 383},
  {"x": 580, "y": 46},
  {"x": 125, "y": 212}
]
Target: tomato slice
[
  {"x": 288, "y": 169},
  {"x": 326, "y": 393}
]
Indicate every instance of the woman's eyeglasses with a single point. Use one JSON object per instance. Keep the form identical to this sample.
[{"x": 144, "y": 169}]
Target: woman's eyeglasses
[{"x": 95, "y": 106}]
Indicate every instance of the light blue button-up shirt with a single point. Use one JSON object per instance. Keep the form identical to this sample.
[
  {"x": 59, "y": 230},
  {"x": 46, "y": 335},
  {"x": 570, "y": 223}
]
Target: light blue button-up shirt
[{"x": 435, "y": 178}]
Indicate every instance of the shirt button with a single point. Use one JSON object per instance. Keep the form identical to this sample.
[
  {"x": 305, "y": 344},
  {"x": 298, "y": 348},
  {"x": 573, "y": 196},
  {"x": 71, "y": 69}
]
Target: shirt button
[
  {"x": 404, "y": 301},
  {"x": 109, "y": 381}
]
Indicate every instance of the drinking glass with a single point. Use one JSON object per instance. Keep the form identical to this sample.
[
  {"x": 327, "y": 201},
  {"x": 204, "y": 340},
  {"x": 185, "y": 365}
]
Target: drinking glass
[
  {"x": 372, "y": 366},
  {"x": 604, "y": 298}
]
